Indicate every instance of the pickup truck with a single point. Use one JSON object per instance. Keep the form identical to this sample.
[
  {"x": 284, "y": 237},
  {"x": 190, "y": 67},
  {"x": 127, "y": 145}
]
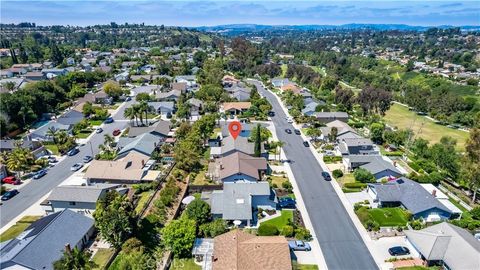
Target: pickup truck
[{"x": 299, "y": 245}]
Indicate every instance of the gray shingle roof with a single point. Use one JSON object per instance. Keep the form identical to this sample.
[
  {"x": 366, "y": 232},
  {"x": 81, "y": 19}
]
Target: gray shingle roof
[
  {"x": 409, "y": 193},
  {"x": 160, "y": 127},
  {"x": 79, "y": 193},
  {"x": 43, "y": 241},
  {"x": 234, "y": 202},
  {"x": 378, "y": 165},
  {"x": 144, "y": 144}
]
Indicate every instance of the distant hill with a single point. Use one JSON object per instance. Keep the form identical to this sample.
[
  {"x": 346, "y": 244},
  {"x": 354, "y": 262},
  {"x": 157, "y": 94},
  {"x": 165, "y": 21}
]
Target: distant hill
[{"x": 237, "y": 28}]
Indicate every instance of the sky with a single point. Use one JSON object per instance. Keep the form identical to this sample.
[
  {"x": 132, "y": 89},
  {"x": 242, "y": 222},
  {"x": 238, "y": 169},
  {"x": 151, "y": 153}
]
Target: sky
[{"x": 217, "y": 12}]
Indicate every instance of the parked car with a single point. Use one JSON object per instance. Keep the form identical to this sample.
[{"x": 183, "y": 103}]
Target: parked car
[
  {"x": 398, "y": 251},
  {"x": 12, "y": 180},
  {"x": 297, "y": 131},
  {"x": 288, "y": 131},
  {"x": 271, "y": 113},
  {"x": 116, "y": 132},
  {"x": 326, "y": 176},
  {"x": 73, "y": 152},
  {"x": 99, "y": 130},
  {"x": 286, "y": 202},
  {"x": 109, "y": 120},
  {"x": 40, "y": 174},
  {"x": 76, "y": 167},
  {"x": 299, "y": 245},
  {"x": 306, "y": 144},
  {"x": 9, "y": 194},
  {"x": 87, "y": 159},
  {"x": 128, "y": 99},
  {"x": 290, "y": 120},
  {"x": 52, "y": 159}
]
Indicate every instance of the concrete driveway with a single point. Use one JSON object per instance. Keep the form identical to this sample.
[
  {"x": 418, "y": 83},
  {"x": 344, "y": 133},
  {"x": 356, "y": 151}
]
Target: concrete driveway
[{"x": 383, "y": 244}]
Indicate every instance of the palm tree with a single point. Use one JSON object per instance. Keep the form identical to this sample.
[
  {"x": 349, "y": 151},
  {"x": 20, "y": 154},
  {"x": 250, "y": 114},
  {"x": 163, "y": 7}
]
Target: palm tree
[
  {"x": 16, "y": 161},
  {"x": 74, "y": 260},
  {"x": 52, "y": 132},
  {"x": 143, "y": 108},
  {"x": 108, "y": 140},
  {"x": 136, "y": 108},
  {"x": 129, "y": 113}
]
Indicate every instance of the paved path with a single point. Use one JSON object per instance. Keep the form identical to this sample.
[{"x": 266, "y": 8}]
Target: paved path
[
  {"x": 341, "y": 244},
  {"x": 36, "y": 189}
]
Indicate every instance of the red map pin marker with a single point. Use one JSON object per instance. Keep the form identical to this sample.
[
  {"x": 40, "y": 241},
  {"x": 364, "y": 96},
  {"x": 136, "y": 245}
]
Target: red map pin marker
[{"x": 235, "y": 128}]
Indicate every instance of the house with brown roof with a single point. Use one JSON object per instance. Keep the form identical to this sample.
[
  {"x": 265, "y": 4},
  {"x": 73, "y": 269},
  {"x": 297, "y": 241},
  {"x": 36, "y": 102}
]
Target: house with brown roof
[
  {"x": 235, "y": 107},
  {"x": 236, "y": 167},
  {"x": 238, "y": 250},
  {"x": 291, "y": 87},
  {"x": 180, "y": 86}
]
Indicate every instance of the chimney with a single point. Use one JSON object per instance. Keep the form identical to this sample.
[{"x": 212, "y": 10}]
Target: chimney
[
  {"x": 143, "y": 163},
  {"x": 68, "y": 249},
  {"x": 434, "y": 193}
]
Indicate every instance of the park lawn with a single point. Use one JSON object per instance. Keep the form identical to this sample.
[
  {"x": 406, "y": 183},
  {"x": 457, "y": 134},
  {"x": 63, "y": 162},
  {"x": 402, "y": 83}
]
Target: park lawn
[
  {"x": 184, "y": 264},
  {"x": 278, "y": 180},
  {"x": 144, "y": 196},
  {"x": 18, "y": 228},
  {"x": 52, "y": 148},
  {"x": 282, "y": 220},
  {"x": 102, "y": 256},
  {"x": 399, "y": 116},
  {"x": 385, "y": 217}
]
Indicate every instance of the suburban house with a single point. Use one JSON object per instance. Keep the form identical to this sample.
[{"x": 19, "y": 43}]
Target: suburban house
[
  {"x": 246, "y": 130},
  {"x": 172, "y": 95},
  {"x": 238, "y": 250},
  {"x": 189, "y": 80},
  {"x": 378, "y": 165},
  {"x": 446, "y": 245},
  {"x": 164, "y": 108},
  {"x": 326, "y": 117},
  {"x": 160, "y": 128},
  {"x": 239, "y": 201},
  {"x": 410, "y": 195},
  {"x": 239, "y": 92},
  {"x": 279, "y": 82},
  {"x": 131, "y": 169},
  {"x": 291, "y": 87},
  {"x": 180, "y": 86},
  {"x": 53, "y": 72},
  {"x": 229, "y": 80},
  {"x": 81, "y": 199},
  {"x": 344, "y": 131},
  {"x": 230, "y": 145},
  {"x": 143, "y": 144},
  {"x": 71, "y": 117},
  {"x": 43, "y": 242},
  {"x": 357, "y": 146},
  {"x": 235, "y": 107},
  {"x": 17, "y": 83},
  {"x": 36, "y": 147},
  {"x": 122, "y": 76},
  {"x": 237, "y": 167},
  {"x": 196, "y": 106},
  {"x": 34, "y": 76},
  {"x": 42, "y": 132},
  {"x": 310, "y": 108}
]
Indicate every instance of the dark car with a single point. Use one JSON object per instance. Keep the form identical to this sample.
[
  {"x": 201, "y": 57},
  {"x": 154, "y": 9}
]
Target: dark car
[
  {"x": 73, "y": 152},
  {"x": 9, "y": 194},
  {"x": 109, "y": 120},
  {"x": 40, "y": 174},
  {"x": 326, "y": 176},
  {"x": 12, "y": 180},
  {"x": 306, "y": 144},
  {"x": 299, "y": 245},
  {"x": 116, "y": 132},
  {"x": 398, "y": 251},
  {"x": 288, "y": 131},
  {"x": 297, "y": 131},
  {"x": 286, "y": 202},
  {"x": 271, "y": 113}
]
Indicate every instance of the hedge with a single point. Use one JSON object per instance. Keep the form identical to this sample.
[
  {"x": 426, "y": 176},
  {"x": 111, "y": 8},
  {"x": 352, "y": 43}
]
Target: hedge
[
  {"x": 328, "y": 159},
  {"x": 355, "y": 185},
  {"x": 266, "y": 229}
]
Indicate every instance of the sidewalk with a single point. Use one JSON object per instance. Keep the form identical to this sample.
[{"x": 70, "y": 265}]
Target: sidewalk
[{"x": 362, "y": 231}]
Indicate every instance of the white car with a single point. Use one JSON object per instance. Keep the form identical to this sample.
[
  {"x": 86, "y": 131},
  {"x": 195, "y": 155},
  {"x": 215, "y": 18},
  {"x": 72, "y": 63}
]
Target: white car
[
  {"x": 76, "y": 167},
  {"x": 290, "y": 120}
]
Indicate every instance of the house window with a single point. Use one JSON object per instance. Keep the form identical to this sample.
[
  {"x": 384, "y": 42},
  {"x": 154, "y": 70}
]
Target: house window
[{"x": 72, "y": 203}]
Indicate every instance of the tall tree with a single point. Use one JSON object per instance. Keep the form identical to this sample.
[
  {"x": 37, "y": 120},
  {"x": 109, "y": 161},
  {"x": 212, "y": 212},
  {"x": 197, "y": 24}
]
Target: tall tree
[
  {"x": 74, "y": 260},
  {"x": 179, "y": 235},
  {"x": 471, "y": 165},
  {"x": 56, "y": 54},
  {"x": 258, "y": 142}
]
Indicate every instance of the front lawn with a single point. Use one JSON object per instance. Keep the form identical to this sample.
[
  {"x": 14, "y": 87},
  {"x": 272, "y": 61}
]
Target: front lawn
[
  {"x": 276, "y": 180},
  {"x": 282, "y": 220},
  {"x": 184, "y": 264},
  {"x": 95, "y": 122},
  {"x": 102, "y": 256},
  {"x": 18, "y": 228},
  {"x": 143, "y": 198},
  {"x": 385, "y": 217},
  {"x": 52, "y": 148},
  {"x": 83, "y": 134}
]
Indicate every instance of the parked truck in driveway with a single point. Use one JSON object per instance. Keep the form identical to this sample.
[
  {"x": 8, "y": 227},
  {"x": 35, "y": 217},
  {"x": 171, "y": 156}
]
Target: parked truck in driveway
[{"x": 299, "y": 245}]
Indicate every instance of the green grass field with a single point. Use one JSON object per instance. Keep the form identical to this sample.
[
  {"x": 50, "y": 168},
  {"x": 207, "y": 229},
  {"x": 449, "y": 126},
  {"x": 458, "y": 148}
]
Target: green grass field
[
  {"x": 18, "y": 228},
  {"x": 399, "y": 116},
  {"x": 52, "y": 148},
  {"x": 95, "y": 122},
  {"x": 388, "y": 217},
  {"x": 184, "y": 264},
  {"x": 282, "y": 220},
  {"x": 142, "y": 201},
  {"x": 101, "y": 257}
]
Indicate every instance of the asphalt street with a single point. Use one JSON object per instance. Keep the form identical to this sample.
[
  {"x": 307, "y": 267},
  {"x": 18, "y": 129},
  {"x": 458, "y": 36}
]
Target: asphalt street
[
  {"x": 36, "y": 189},
  {"x": 340, "y": 242}
]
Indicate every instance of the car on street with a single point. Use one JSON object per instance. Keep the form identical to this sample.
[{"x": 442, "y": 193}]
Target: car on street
[
  {"x": 109, "y": 120},
  {"x": 99, "y": 130},
  {"x": 289, "y": 120},
  {"x": 286, "y": 202},
  {"x": 52, "y": 159},
  {"x": 297, "y": 131},
  {"x": 271, "y": 113},
  {"x": 76, "y": 167},
  {"x": 116, "y": 132},
  {"x": 73, "y": 152},
  {"x": 398, "y": 251},
  {"x": 306, "y": 144},
  {"x": 326, "y": 176},
  {"x": 9, "y": 194},
  {"x": 87, "y": 159},
  {"x": 12, "y": 180},
  {"x": 288, "y": 131},
  {"x": 299, "y": 245},
  {"x": 128, "y": 99},
  {"x": 40, "y": 174}
]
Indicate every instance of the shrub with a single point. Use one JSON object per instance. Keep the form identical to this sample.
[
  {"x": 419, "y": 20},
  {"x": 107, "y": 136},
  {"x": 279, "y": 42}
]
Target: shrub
[
  {"x": 328, "y": 159},
  {"x": 357, "y": 206},
  {"x": 266, "y": 229},
  {"x": 355, "y": 185},
  {"x": 372, "y": 225},
  {"x": 214, "y": 228},
  {"x": 287, "y": 231},
  {"x": 475, "y": 212},
  {"x": 364, "y": 176},
  {"x": 199, "y": 211},
  {"x": 303, "y": 234},
  {"x": 337, "y": 173},
  {"x": 287, "y": 185},
  {"x": 131, "y": 245}
]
